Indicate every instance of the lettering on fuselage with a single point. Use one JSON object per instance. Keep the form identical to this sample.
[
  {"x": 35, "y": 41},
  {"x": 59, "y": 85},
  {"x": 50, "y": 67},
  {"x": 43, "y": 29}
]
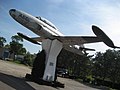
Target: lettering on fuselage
[
  {"x": 24, "y": 20},
  {"x": 24, "y": 17}
]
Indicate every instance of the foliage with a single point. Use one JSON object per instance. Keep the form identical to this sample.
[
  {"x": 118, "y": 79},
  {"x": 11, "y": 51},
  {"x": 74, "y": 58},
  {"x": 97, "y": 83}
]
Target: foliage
[
  {"x": 7, "y": 46},
  {"x": 22, "y": 51},
  {"x": 2, "y": 41},
  {"x": 76, "y": 64},
  {"x": 107, "y": 66},
  {"x": 17, "y": 38},
  {"x": 28, "y": 59},
  {"x": 16, "y": 47},
  {"x": 104, "y": 67}
]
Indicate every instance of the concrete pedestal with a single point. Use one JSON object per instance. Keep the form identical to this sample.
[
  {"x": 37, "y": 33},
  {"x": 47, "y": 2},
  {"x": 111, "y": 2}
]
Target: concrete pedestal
[{"x": 52, "y": 49}]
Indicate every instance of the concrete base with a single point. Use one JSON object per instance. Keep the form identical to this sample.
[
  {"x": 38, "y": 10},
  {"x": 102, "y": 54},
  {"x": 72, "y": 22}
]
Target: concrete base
[
  {"x": 39, "y": 65},
  {"x": 44, "y": 66},
  {"x": 29, "y": 77}
]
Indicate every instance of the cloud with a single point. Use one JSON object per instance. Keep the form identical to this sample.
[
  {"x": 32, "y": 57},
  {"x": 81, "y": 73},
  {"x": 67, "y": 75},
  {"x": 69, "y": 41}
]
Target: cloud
[
  {"x": 105, "y": 14},
  {"x": 109, "y": 16},
  {"x": 55, "y": 2}
]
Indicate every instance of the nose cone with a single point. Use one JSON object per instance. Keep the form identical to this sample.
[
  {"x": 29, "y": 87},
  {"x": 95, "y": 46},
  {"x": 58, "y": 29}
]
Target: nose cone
[{"x": 12, "y": 12}]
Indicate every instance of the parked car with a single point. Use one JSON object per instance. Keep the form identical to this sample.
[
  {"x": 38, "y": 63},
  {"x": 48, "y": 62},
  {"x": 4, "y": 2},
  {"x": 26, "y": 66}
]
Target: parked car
[{"x": 62, "y": 72}]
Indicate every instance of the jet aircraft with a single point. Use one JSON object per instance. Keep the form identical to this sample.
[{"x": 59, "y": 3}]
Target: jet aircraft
[{"x": 53, "y": 40}]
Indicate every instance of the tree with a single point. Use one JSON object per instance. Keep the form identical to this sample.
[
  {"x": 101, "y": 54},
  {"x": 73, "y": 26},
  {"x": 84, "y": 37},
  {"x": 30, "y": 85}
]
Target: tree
[
  {"x": 22, "y": 51},
  {"x": 101, "y": 64},
  {"x": 28, "y": 59},
  {"x": 2, "y": 41},
  {"x": 16, "y": 47},
  {"x": 114, "y": 71},
  {"x": 76, "y": 64},
  {"x": 106, "y": 66},
  {"x": 7, "y": 46},
  {"x": 17, "y": 38}
]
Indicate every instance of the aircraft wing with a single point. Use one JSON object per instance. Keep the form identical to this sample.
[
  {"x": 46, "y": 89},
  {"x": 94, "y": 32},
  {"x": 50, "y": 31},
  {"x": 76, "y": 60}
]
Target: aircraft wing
[
  {"x": 32, "y": 40},
  {"x": 77, "y": 40},
  {"x": 39, "y": 39}
]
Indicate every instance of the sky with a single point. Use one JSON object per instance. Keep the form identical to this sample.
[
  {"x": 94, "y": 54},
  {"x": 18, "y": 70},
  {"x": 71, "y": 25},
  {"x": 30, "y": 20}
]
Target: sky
[{"x": 71, "y": 17}]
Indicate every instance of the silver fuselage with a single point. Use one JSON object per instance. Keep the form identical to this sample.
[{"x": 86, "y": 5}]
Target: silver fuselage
[{"x": 38, "y": 26}]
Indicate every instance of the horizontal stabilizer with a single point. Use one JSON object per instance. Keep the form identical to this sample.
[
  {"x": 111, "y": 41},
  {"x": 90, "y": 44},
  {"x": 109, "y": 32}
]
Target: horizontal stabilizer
[
  {"x": 27, "y": 38},
  {"x": 87, "y": 49},
  {"x": 103, "y": 37}
]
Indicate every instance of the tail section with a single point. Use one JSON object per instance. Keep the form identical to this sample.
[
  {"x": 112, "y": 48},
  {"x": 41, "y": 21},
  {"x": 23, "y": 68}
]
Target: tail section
[{"x": 102, "y": 36}]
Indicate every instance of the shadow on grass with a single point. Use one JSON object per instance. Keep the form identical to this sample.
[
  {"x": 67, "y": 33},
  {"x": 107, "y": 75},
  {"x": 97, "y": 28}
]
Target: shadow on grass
[{"x": 15, "y": 82}]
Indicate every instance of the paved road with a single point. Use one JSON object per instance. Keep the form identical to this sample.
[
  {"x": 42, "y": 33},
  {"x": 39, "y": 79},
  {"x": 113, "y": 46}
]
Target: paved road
[{"x": 12, "y": 78}]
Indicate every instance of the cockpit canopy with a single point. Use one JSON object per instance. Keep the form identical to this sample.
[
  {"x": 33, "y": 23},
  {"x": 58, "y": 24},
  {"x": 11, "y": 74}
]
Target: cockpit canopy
[{"x": 47, "y": 22}]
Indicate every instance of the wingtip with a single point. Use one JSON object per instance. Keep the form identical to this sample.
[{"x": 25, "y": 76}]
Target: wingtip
[
  {"x": 94, "y": 26},
  {"x": 116, "y": 47},
  {"x": 27, "y": 38}
]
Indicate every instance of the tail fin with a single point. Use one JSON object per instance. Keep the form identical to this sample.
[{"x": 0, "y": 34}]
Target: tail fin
[{"x": 101, "y": 35}]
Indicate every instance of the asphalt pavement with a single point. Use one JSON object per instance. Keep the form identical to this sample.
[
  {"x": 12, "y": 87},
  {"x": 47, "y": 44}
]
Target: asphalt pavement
[{"x": 12, "y": 78}]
